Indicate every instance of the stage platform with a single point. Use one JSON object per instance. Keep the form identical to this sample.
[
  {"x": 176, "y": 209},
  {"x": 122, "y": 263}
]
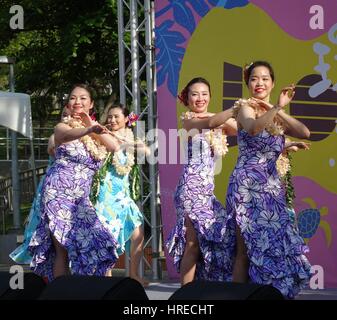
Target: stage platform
[{"x": 163, "y": 289}]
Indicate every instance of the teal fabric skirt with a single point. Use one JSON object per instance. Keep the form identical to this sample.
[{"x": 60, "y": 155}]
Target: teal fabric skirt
[{"x": 115, "y": 205}]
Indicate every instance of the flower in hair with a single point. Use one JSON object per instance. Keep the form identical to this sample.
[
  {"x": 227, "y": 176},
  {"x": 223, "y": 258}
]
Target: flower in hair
[
  {"x": 132, "y": 119},
  {"x": 183, "y": 97},
  {"x": 247, "y": 65}
]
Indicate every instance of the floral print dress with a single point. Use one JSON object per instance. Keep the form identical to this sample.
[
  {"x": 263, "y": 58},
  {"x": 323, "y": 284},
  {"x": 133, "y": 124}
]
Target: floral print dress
[
  {"x": 194, "y": 198},
  {"x": 68, "y": 215},
  {"x": 256, "y": 197},
  {"x": 115, "y": 206},
  {"x": 21, "y": 254}
]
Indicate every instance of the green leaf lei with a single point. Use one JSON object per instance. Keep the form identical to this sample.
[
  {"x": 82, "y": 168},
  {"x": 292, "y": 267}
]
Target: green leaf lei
[
  {"x": 289, "y": 187},
  {"x": 134, "y": 179},
  {"x": 98, "y": 179}
]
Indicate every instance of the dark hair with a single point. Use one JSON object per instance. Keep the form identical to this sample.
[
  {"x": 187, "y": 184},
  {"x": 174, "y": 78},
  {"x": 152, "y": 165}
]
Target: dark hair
[
  {"x": 85, "y": 87},
  {"x": 248, "y": 69},
  {"x": 125, "y": 111},
  {"x": 183, "y": 96}
]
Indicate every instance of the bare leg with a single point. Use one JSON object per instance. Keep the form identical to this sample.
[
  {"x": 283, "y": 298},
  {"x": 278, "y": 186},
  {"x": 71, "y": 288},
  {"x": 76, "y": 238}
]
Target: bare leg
[
  {"x": 137, "y": 240},
  {"x": 241, "y": 264},
  {"x": 61, "y": 263},
  {"x": 191, "y": 254}
]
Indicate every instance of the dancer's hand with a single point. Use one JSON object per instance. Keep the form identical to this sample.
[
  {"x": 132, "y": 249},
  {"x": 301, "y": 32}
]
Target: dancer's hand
[
  {"x": 261, "y": 103},
  {"x": 98, "y": 129},
  {"x": 109, "y": 127},
  {"x": 85, "y": 118},
  {"x": 296, "y": 145},
  {"x": 94, "y": 126},
  {"x": 286, "y": 95}
]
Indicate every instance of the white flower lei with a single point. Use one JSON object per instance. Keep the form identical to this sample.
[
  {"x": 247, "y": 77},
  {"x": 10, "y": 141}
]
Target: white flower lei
[
  {"x": 215, "y": 137},
  {"x": 274, "y": 129},
  {"x": 123, "y": 169},
  {"x": 94, "y": 147},
  {"x": 188, "y": 115},
  {"x": 282, "y": 165},
  {"x": 218, "y": 141}
]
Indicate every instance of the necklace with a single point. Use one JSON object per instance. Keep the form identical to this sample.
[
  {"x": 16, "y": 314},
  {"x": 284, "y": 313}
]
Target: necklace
[
  {"x": 282, "y": 165},
  {"x": 124, "y": 169},
  {"x": 94, "y": 147},
  {"x": 218, "y": 141},
  {"x": 215, "y": 137}
]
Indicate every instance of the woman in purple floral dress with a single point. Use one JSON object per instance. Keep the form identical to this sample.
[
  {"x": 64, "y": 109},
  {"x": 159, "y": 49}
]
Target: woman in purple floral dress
[
  {"x": 69, "y": 233},
  {"x": 202, "y": 241},
  {"x": 269, "y": 249}
]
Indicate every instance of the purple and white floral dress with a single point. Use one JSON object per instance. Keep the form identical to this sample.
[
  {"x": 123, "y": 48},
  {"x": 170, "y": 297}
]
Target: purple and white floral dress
[
  {"x": 256, "y": 198},
  {"x": 67, "y": 214},
  {"x": 194, "y": 198}
]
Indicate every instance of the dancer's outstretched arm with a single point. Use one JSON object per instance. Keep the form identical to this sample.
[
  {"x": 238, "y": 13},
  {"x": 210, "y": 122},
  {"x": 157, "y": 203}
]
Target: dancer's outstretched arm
[{"x": 209, "y": 122}]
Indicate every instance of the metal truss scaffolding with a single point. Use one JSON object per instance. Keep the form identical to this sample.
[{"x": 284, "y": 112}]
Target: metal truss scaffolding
[{"x": 137, "y": 88}]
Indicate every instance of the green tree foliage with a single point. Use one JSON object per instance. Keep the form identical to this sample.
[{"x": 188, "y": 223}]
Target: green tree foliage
[{"x": 63, "y": 42}]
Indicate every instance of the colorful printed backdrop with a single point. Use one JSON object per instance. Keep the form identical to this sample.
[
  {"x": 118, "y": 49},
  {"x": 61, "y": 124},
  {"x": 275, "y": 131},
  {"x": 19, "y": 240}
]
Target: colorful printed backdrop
[{"x": 214, "y": 39}]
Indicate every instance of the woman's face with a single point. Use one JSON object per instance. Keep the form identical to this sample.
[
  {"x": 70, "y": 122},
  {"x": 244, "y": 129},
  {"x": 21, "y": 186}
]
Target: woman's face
[
  {"x": 198, "y": 97},
  {"x": 79, "y": 101},
  {"x": 116, "y": 119},
  {"x": 260, "y": 83}
]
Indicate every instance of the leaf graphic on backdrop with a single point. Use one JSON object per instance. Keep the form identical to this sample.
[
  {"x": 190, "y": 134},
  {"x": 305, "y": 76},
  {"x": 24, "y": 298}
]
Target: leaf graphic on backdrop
[
  {"x": 169, "y": 56},
  {"x": 228, "y": 4},
  {"x": 199, "y": 6},
  {"x": 183, "y": 15}
]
